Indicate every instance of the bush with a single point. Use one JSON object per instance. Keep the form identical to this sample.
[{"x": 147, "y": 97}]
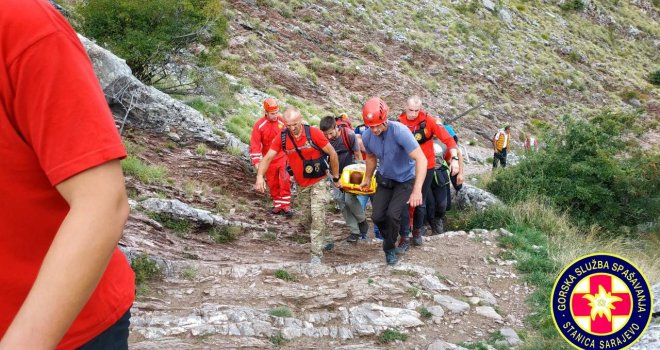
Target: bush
[
  {"x": 589, "y": 170},
  {"x": 654, "y": 78},
  {"x": 280, "y": 311},
  {"x": 224, "y": 234},
  {"x": 145, "y": 33},
  {"x": 284, "y": 275},
  {"x": 391, "y": 335},
  {"x": 572, "y": 5},
  {"x": 145, "y": 269}
]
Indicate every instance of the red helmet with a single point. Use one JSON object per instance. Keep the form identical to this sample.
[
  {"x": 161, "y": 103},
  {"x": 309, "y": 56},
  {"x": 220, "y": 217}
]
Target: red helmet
[
  {"x": 374, "y": 112},
  {"x": 270, "y": 105}
]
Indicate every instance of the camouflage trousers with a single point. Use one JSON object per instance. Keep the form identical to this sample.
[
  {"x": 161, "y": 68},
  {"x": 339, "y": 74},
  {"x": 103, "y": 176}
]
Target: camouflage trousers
[{"x": 312, "y": 201}]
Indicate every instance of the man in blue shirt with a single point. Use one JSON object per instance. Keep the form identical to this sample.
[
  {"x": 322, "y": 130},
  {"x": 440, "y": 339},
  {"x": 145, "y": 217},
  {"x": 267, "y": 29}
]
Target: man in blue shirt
[{"x": 400, "y": 175}]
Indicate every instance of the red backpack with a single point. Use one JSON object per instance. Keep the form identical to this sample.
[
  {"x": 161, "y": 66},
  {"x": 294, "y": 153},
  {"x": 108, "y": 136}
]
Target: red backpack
[{"x": 344, "y": 124}]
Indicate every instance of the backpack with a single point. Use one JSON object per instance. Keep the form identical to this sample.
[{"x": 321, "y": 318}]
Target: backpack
[{"x": 343, "y": 121}]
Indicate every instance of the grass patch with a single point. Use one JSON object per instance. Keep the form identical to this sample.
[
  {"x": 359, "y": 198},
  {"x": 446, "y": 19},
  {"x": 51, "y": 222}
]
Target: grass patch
[
  {"x": 284, "y": 275},
  {"x": 181, "y": 227},
  {"x": 189, "y": 273},
  {"x": 391, "y": 335},
  {"x": 424, "y": 313},
  {"x": 145, "y": 269},
  {"x": 268, "y": 236},
  {"x": 224, "y": 234},
  {"x": 148, "y": 174},
  {"x": 277, "y": 339},
  {"x": 201, "y": 150},
  {"x": 404, "y": 273},
  {"x": 280, "y": 311}
]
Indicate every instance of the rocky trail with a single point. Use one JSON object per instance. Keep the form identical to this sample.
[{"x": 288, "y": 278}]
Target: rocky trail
[{"x": 260, "y": 291}]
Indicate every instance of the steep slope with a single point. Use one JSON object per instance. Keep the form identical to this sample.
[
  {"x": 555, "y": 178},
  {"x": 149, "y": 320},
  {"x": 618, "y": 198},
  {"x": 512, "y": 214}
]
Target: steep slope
[{"x": 528, "y": 60}]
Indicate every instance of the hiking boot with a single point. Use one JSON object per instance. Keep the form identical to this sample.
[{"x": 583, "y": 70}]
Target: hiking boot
[
  {"x": 390, "y": 257},
  {"x": 364, "y": 227},
  {"x": 437, "y": 227},
  {"x": 377, "y": 234},
  {"x": 417, "y": 237},
  {"x": 403, "y": 246},
  {"x": 316, "y": 260},
  {"x": 275, "y": 211},
  {"x": 287, "y": 212},
  {"x": 328, "y": 246},
  {"x": 363, "y": 236},
  {"x": 353, "y": 237}
]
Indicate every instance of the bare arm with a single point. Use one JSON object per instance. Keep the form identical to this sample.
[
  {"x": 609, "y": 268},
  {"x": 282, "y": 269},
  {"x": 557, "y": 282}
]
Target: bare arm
[
  {"x": 260, "y": 184},
  {"x": 460, "y": 178},
  {"x": 75, "y": 260},
  {"x": 420, "y": 174},
  {"x": 371, "y": 163},
  {"x": 334, "y": 160}
]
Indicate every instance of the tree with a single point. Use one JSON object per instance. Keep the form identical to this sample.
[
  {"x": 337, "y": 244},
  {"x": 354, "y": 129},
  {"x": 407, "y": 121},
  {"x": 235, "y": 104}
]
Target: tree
[{"x": 147, "y": 33}]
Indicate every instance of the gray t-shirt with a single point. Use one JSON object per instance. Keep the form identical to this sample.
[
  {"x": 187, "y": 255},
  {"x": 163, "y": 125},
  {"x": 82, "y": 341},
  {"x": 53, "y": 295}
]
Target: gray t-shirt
[{"x": 346, "y": 154}]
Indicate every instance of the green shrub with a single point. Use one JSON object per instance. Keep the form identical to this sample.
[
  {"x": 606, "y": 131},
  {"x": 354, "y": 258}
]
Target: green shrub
[
  {"x": 391, "y": 335},
  {"x": 277, "y": 339},
  {"x": 654, "y": 78},
  {"x": 469, "y": 7},
  {"x": 572, "y": 5},
  {"x": 189, "y": 273},
  {"x": 589, "y": 170},
  {"x": 224, "y": 234},
  {"x": 424, "y": 312},
  {"x": 180, "y": 227},
  {"x": 145, "y": 269},
  {"x": 281, "y": 311},
  {"x": 284, "y": 275},
  {"x": 145, "y": 33}
]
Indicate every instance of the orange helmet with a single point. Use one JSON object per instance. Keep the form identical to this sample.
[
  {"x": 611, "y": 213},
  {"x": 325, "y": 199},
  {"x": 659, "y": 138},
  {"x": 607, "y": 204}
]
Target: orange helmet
[
  {"x": 374, "y": 112},
  {"x": 270, "y": 105}
]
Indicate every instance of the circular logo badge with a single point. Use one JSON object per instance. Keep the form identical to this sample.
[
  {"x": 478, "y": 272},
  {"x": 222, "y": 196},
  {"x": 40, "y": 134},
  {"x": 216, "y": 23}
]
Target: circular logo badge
[
  {"x": 601, "y": 301},
  {"x": 418, "y": 136},
  {"x": 309, "y": 169}
]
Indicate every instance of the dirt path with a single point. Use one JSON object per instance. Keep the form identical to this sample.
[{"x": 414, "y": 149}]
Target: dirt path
[{"x": 222, "y": 295}]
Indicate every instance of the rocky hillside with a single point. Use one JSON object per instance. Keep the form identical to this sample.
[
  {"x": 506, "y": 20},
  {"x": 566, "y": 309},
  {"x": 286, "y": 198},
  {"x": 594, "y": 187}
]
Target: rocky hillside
[
  {"x": 529, "y": 61},
  {"x": 217, "y": 271}
]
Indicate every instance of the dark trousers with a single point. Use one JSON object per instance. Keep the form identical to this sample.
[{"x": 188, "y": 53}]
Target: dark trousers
[
  {"x": 438, "y": 202},
  {"x": 113, "y": 338},
  {"x": 387, "y": 207},
  {"x": 501, "y": 157},
  {"x": 419, "y": 215}
]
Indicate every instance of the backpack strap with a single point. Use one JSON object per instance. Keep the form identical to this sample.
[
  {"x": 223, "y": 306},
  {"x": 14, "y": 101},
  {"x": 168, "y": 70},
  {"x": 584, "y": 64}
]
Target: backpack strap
[
  {"x": 308, "y": 135},
  {"x": 345, "y": 138}
]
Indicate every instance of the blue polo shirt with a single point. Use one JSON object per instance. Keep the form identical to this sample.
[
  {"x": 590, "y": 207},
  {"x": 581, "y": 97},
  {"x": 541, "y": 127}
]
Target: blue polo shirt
[{"x": 392, "y": 148}]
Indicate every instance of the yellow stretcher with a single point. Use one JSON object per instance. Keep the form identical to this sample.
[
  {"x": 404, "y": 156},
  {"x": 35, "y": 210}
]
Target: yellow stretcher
[{"x": 352, "y": 176}]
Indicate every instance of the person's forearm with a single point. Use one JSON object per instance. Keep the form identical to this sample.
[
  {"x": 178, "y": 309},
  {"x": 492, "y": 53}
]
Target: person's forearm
[
  {"x": 69, "y": 274},
  {"x": 264, "y": 164},
  {"x": 420, "y": 173},
  {"x": 371, "y": 163},
  {"x": 334, "y": 165}
]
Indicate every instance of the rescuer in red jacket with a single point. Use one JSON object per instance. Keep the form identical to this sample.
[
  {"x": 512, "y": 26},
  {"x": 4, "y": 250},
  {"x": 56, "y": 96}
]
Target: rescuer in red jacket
[{"x": 266, "y": 129}]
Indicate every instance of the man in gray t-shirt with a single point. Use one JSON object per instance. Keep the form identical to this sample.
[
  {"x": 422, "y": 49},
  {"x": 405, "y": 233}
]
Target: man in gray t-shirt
[{"x": 345, "y": 144}]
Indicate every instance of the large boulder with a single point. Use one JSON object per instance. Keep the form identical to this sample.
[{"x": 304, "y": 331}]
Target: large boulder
[
  {"x": 144, "y": 107},
  {"x": 470, "y": 197}
]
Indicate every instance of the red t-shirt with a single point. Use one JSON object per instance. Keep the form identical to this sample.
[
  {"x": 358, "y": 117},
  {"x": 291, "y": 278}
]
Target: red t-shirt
[
  {"x": 54, "y": 123},
  {"x": 430, "y": 129},
  {"x": 307, "y": 151}
]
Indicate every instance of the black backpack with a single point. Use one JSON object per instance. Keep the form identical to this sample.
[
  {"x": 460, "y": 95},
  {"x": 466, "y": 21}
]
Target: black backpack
[{"x": 312, "y": 168}]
